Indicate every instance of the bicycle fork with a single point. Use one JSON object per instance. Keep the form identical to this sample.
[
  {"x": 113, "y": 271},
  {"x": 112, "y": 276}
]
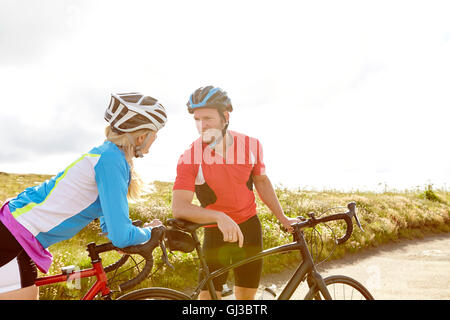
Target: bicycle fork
[{"x": 315, "y": 281}]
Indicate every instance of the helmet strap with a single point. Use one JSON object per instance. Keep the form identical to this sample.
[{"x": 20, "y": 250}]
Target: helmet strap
[
  {"x": 133, "y": 143},
  {"x": 224, "y": 132},
  {"x": 138, "y": 149}
]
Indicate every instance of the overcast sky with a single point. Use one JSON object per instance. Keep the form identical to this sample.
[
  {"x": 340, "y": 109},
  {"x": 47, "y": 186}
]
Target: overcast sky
[{"x": 341, "y": 94}]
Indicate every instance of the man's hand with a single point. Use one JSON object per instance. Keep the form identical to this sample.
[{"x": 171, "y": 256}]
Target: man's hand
[
  {"x": 288, "y": 222},
  {"x": 230, "y": 230},
  {"x": 182, "y": 208}
]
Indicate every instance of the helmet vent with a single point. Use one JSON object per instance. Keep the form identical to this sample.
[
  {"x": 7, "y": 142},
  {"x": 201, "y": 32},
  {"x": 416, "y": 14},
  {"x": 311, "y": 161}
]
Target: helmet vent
[
  {"x": 132, "y": 99},
  {"x": 148, "y": 101}
]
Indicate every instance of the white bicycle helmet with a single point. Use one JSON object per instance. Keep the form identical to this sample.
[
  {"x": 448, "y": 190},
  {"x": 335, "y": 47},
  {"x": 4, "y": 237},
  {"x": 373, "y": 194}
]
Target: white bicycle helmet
[{"x": 129, "y": 112}]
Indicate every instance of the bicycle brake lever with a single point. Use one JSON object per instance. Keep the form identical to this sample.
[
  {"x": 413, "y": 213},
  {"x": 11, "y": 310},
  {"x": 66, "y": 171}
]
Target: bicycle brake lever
[
  {"x": 164, "y": 255},
  {"x": 358, "y": 223},
  {"x": 352, "y": 207}
]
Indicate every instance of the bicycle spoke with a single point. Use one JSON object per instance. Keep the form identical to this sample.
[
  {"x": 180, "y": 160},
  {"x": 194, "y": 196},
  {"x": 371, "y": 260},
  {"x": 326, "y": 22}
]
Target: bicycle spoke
[{"x": 344, "y": 290}]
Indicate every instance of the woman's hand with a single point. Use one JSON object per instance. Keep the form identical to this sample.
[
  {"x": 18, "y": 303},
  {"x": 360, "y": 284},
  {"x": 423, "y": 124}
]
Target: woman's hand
[{"x": 153, "y": 223}]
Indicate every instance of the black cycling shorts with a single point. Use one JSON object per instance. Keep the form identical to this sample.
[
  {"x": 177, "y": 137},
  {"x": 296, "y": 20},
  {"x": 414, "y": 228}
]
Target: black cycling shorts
[
  {"x": 219, "y": 254},
  {"x": 17, "y": 270}
]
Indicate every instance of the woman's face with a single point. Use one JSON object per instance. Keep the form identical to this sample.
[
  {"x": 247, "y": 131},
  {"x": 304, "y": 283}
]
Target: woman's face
[{"x": 142, "y": 139}]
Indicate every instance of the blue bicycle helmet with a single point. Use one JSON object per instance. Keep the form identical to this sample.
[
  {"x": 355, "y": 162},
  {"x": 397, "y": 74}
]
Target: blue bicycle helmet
[{"x": 209, "y": 97}]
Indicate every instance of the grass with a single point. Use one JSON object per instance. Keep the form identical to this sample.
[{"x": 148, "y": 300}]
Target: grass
[{"x": 386, "y": 217}]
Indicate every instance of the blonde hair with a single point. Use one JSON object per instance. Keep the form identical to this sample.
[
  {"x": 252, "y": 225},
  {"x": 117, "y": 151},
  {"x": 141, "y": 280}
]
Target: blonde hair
[{"x": 136, "y": 187}]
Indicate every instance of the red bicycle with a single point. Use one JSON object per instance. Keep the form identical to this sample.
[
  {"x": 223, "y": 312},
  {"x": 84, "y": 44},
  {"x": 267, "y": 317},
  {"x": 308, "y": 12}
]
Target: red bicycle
[{"x": 101, "y": 286}]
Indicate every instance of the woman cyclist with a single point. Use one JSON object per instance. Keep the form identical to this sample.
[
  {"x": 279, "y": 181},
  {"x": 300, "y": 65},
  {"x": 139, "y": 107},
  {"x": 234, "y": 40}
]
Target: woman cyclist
[{"x": 96, "y": 185}]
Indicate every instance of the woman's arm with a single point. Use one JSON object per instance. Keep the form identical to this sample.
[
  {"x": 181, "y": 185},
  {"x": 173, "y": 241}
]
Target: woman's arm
[{"x": 111, "y": 177}]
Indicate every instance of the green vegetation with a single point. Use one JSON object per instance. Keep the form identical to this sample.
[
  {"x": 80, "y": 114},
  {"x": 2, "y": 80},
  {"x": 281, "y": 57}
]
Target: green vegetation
[
  {"x": 431, "y": 195},
  {"x": 386, "y": 217}
]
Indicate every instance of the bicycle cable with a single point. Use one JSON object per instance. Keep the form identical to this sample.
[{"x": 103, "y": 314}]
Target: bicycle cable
[
  {"x": 313, "y": 245},
  {"x": 334, "y": 247}
]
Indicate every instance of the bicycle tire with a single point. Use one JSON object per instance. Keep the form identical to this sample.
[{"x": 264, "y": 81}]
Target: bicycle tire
[
  {"x": 155, "y": 294},
  {"x": 357, "y": 289}
]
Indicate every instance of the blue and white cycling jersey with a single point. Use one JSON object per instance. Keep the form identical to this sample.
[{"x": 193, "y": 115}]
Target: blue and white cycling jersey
[{"x": 94, "y": 186}]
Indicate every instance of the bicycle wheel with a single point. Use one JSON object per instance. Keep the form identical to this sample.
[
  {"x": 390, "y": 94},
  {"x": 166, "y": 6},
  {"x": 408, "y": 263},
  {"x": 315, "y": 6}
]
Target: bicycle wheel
[
  {"x": 154, "y": 294},
  {"x": 342, "y": 288}
]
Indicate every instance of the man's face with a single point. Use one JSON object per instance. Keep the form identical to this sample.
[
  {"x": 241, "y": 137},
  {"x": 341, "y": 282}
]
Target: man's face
[{"x": 209, "y": 124}]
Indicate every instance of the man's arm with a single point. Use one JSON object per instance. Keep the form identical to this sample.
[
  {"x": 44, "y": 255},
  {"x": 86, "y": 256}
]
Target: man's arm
[
  {"x": 182, "y": 208},
  {"x": 270, "y": 199}
]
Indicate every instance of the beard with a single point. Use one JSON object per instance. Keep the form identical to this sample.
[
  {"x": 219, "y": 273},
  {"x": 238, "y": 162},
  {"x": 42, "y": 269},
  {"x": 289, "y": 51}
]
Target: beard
[{"x": 211, "y": 135}]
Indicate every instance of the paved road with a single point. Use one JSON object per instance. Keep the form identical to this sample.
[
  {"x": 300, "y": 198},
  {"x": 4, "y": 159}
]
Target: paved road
[{"x": 409, "y": 269}]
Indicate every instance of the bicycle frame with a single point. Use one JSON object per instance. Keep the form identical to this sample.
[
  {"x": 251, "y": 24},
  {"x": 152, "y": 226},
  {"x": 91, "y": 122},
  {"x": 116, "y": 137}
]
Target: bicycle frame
[
  {"x": 307, "y": 267},
  {"x": 101, "y": 285}
]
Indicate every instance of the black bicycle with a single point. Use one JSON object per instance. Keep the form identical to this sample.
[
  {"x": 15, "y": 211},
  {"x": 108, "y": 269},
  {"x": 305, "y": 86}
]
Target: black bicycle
[{"x": 332, "y": 287}]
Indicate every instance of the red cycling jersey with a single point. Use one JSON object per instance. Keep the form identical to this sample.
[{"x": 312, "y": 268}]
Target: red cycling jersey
[{"x": 223, "y": 183}]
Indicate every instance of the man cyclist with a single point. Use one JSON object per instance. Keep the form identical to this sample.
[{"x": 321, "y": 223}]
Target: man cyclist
[
  {"x": 97, "y": 185},
  {"x": 221, "y": 168}
]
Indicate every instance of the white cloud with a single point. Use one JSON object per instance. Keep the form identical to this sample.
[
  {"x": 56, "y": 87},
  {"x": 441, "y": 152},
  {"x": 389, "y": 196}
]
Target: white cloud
[{"x": 342, "y": 94}]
